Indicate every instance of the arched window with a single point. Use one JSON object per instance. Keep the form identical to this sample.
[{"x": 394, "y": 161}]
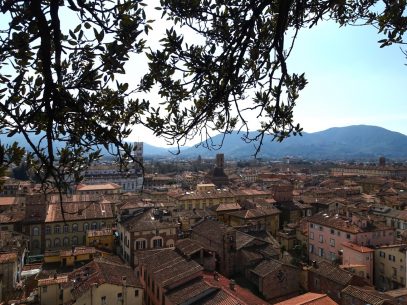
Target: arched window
[
  {"x": 85, "y": 226},
  {"x": 66, "y": 228},
  {"x": 47, "y": 243},
  {"x": 74, "y": 240},
  {"x": 47, "y": 229},
  {"x": 75, "y": 227},
  {"x": 65, "y": 241},
  {"x": 94, "y": 225},
  {"x": 57, "y": 242},
  {"x": 36, "y": 231}
]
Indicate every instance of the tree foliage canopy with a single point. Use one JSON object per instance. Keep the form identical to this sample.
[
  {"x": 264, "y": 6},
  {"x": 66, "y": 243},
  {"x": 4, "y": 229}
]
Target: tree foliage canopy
[{"x": 61, "y": 83}]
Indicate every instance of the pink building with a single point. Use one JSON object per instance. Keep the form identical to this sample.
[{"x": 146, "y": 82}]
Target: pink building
[
  {"x": 328, "y": 233},
  {"x": 359, "y": 260}
]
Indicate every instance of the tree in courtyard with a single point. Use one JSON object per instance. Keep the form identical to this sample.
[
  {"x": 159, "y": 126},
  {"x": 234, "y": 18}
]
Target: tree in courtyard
[{"x": 61, "y": 82}]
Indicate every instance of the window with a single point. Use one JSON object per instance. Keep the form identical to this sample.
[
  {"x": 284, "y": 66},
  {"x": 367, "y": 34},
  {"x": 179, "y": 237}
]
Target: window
[
  {"x": 136, "y": 293},
  {"x": 65, "y": 241},
  {"x": 332, "y": 242},
  {"x": 57, "y": 229},
  {"x": 103, "y": 301},
  {"x": 44, "y": 288},
  {"x": 47, "y": 243},
  {"x": 321, "y": 228},
  {"x": 94, "y": 225},
  {"x": 36, "y": 231},
  {"x": 102, "y": 224},
  {"x": 321, "y": 238},
  {"x": 394, "y": 272},
  {"x": 347, "y": 235},
  {"x": 57, "y": 242},
  {"x": 157, "y": 243},
  {"x": 75, "y": 227},
  {"x": 338, "y": 233},
  {"x": 66, "y": 228},
  {"x": 74, "y": 240},
  {"x": 382, "y": 254},
  {"x": 332, "y": 231},
  {"x": 141, "y": 244},
  {"x": 311, "y": 225},
  {"x": 85, "y": 226},
  {"x": 47, "y": 229},
  {"x": 311, "y": 235},
  {"x": 119, "y": 297},
  {"x": 321, "y": 252},
  {"x": 392, "y": 258}
]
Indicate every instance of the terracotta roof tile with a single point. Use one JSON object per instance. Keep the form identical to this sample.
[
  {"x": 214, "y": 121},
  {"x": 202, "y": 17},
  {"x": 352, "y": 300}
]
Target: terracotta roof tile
[
  {"x": 332, "y": 273},
  {"x": 99, "y": 272},
  {"x": 239, "y": 295},
  {"x": 309, "y": 299},
  {"x": 78, "y": 211},
  {"x": 189, "y": 290},
  {"x": 8, "y": 257},
  {"x": 368, "y": 296},
  {"x": 255, "y": 213},
  {"x": 266, "y": 267},
  {"x": 188, "y": 246},
  {"x": 53, "y": 281},
  {"x": 357, "y": 248},
  {"x": 168, "y": 266}
]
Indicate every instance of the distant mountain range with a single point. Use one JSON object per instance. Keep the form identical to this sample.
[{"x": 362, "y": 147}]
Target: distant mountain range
[{"x": 339, "y": 143}]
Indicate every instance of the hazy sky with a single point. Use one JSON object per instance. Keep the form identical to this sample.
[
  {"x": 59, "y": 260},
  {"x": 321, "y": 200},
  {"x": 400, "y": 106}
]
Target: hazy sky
[{"x": 350, "y": 79}]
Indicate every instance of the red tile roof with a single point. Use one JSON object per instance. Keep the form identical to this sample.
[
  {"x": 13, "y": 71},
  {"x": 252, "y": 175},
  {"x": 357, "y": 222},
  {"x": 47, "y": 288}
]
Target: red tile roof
[
  {"x": 8, "y": 257},
  {"x": 239, "y": 292},
  {"x": 53, "y": 281},
  {"x": 309, "y": 299},
  {"x": 357, "y": 248},
  {"x": 78, "y": 211},
  {"x": 99, "y": 272}
]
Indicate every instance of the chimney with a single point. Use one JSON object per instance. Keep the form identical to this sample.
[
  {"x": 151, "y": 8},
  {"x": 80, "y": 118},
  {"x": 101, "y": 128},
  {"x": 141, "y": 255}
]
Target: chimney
[{"x": 232, "y": 284}]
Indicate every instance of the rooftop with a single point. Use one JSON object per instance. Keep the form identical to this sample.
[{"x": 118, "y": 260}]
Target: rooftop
[
  {"x": 309, "y": 298},
  {"x": 368, "y": 296},
  {"x": 357, "y": 248},
  {"x": 78, "y": 211},
  {"x": 9, "y": 257},
  {"x": 98, "y": 187}
]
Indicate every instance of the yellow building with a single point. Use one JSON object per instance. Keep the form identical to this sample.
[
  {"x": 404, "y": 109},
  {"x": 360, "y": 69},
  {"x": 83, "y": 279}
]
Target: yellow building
[
  {"x": 68, "y": 228},
  {"x": 207, "y": 196},
  {"x": 70, "y": 257},
  {"x": 390, "y": 267},
  {"x": 101, "y": 239},
  {"x": 258, "y": 219},
  {"x": 98, "y": 282}
]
